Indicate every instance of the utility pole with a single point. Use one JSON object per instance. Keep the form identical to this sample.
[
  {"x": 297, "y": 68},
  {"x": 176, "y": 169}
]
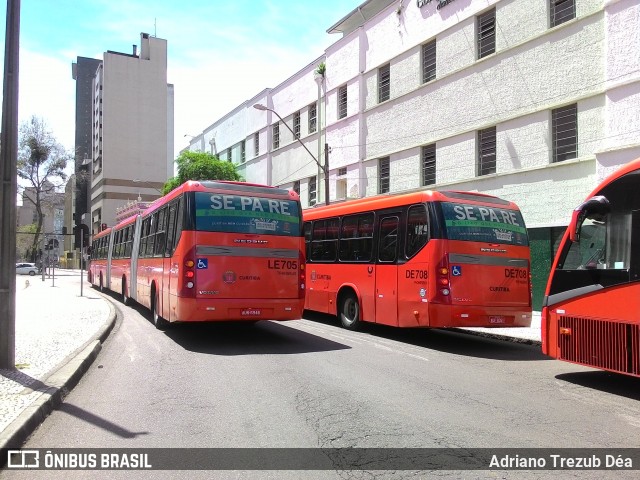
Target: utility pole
[{"x": 9, "y": 188}]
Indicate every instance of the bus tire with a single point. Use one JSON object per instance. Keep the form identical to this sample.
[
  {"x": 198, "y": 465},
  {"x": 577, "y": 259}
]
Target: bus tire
[
  {"x": 158, "y": 321},
  {"x": 126, "y": 300},
  {"x": 350, "y": 311}
]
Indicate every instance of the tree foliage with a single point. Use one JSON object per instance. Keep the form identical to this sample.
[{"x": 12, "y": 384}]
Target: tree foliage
[
  {"x": 41, "y": 164},
  {"x": 201, "y": 166}
]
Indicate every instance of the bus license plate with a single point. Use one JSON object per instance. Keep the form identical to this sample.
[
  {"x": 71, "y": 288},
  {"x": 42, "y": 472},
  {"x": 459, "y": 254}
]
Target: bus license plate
[
  {"x": 497, "y": 319},
  {"x": 251, "y": 312}
]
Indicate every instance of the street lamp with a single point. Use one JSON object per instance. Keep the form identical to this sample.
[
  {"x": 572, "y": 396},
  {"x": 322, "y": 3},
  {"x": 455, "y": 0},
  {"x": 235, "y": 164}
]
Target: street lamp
[{"x": 324, "y": 168}]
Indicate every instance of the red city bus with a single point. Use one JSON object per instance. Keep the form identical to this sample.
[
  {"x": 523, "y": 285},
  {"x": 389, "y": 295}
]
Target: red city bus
[
  {"x": 98, "y": 273},
  {"x": 422, "y": 259},
  {"x": 209, "y": 251},
  {"x": 591, "y": 309}
]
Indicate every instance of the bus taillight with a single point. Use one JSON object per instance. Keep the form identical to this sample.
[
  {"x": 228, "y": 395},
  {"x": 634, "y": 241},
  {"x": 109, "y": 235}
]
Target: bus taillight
[
  {"x": 443, "y": 290},
  {"x": 188, "y": 274}
]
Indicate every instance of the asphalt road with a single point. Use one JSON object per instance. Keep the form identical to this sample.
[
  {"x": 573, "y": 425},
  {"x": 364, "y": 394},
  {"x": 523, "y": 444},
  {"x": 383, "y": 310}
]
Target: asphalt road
[{"x": 309, "y": 383}]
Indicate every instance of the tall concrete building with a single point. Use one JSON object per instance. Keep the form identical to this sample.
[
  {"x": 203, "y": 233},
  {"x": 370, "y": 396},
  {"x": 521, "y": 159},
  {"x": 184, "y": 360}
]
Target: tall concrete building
[
  {"x": 131, "y": 128},
  {"x": 83, "y": 71},
  {"x": 532, "y": 101}
]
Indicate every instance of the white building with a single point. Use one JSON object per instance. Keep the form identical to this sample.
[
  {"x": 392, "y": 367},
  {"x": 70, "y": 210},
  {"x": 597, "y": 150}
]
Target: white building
[
  {"x": 132, "y": 147},
  {"x": 534, "y": 101}
]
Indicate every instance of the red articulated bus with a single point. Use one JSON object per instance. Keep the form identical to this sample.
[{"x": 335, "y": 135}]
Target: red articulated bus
[
  {"x": 421, "y": 259},
  {"x": 591, "y": 309},
  {"x": 208, "y": 251}
]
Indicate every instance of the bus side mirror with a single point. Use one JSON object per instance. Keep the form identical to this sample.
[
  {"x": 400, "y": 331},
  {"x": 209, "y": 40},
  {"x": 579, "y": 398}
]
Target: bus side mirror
[{"x": 596, "y": 207}]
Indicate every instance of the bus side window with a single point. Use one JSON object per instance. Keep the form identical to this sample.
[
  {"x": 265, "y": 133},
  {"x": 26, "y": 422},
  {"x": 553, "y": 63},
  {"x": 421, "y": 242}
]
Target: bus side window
[
  {"x": 417, "y": 230},
  {"x": 179, "y": 219},
  {"x": 307, "y": 238},
  {"x": 144, "y": 231},
  {"x": 160, "y": 235},
  {"x": 388, "y": 243},
  {"x": 171, "y": 227}
]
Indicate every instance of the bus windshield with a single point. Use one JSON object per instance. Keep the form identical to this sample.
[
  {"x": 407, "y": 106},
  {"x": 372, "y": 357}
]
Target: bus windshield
[
  {"x": 489, "y": 224},
  {"x": 245, "y": 214}
]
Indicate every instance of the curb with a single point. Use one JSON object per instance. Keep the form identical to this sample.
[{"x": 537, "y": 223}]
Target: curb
[{"x": 61, "y": 382}]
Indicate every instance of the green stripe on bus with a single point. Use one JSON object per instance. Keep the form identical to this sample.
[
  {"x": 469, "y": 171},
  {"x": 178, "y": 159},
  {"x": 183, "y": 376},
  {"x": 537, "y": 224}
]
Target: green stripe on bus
[
  {"x": 252, "y": 214},
  {"x": 483, "y": 224}
]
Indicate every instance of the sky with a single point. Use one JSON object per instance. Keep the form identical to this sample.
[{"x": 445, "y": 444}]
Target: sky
[{"x": 220, "y": 53}]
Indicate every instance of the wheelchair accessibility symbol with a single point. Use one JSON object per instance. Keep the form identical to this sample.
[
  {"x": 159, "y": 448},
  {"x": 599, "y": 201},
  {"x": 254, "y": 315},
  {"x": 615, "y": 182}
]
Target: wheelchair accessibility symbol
[
  {"x": 456, "y": 270},
  {"x": 202, "y": 263}
]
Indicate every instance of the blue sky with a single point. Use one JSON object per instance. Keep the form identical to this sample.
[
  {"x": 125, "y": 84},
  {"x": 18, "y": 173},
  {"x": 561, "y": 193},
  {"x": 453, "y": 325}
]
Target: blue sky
[{"x": 220, "y": 53}]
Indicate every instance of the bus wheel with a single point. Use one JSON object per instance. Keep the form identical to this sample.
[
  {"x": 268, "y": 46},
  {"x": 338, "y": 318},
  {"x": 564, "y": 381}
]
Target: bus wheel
[
  {"x": 125, "y": 298},
  {"x": 158, "y": 321},
  {"x": 350, "y": 312}
]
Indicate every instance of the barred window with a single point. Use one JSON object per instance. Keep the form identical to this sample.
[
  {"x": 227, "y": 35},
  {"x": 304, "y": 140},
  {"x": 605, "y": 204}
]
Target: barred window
[
  {"x": 312, "y": 190},
  {"x": 342, "y": 101},
  {"x": 383, "y": 175},
  {"x": 564, "y": 126},
  {"x": 243, "y": 152},
  {"x": 429, "y": 164},
  {"x": 276, "y": 135},
  {"x": 313, "y": 117},
  {"x": 487, "y": 151},
  {"x": 428, "y": 61},
  {"x": 296, "y": 187},
  {"x": 296, "y": 125},
  {"x": 486, "y": 24},
  {"x": 562, "y": 11},
  {"x": 384, "y": 83},
  {"x": 256, "y": 144}
]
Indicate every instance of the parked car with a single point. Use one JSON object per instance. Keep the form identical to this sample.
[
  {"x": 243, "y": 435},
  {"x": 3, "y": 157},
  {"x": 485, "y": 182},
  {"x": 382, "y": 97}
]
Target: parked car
[{"x": 27, "y": 269}]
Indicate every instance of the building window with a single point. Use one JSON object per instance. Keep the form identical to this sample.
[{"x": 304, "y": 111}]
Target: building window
[
  {"x": 342, "y": 101},
  {"x": 256, "y": 144},
  {"x": 296, "y": 186},
  {"x": 486, "y": 33},
  {"x": 276, "y": 135},
  {"x": 487, "y": 151},
  {"x": 243, "y": 152},
  {"x": 564, "y": 127},
  {"x": 384, "y": 83},
  {"x": 313, "y": 117},
  {"x": 429, "y": 164},
  {"x": 312, "y": 190},
  {"x": 342, "y": 171},
  {"x": 428, "y": 61},
  {"x": 383, "y": 175},
  {"x": 229, "y": 156},
  {"x": 562, "y": 11},
  {"x": 296, "y": 125}
]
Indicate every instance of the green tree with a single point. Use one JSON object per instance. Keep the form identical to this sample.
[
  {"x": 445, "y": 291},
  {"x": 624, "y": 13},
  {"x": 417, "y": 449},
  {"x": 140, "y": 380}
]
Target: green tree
[
  {"x": 201, "y": 166},
  {"x": 41, "y": 164},
  {"x": 24, "y": 240}
]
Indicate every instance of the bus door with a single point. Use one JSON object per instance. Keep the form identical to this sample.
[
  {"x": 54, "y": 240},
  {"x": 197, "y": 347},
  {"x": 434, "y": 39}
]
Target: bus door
[{"x": 386, "y": 275}]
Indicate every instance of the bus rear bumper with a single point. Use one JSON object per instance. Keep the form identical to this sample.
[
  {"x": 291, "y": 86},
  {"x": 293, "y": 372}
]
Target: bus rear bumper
[
  {"x": 251, "y": 310},
  {"x": 444, "y": 316}
]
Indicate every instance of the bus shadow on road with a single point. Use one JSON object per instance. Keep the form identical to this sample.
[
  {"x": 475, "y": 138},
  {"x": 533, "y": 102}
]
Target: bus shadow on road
[
  {"x": 614, "y": 383},
  {"x": 446, "y": 341},
  {"x": 260, "y": 338}
]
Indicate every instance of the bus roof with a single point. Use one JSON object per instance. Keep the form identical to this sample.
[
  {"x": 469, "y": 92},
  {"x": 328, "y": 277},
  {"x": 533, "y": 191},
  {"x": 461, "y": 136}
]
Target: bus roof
[{"x": 395, "y": 200}]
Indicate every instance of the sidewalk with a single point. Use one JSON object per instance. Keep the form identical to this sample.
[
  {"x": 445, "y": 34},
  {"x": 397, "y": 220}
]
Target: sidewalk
[{"x": 58, "y": 334}]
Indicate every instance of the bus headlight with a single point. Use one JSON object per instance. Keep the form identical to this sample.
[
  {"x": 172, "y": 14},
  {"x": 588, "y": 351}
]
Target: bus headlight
[
  {"x": 445, "y": 291},
  {"x": 189, "y": 284}
]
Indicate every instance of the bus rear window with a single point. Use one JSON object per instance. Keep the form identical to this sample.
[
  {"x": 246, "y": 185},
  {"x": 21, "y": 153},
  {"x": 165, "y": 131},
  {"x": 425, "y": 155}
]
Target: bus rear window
[
  {"x": 489, "y": 224},
  {"x": 243, "y": 214}
]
